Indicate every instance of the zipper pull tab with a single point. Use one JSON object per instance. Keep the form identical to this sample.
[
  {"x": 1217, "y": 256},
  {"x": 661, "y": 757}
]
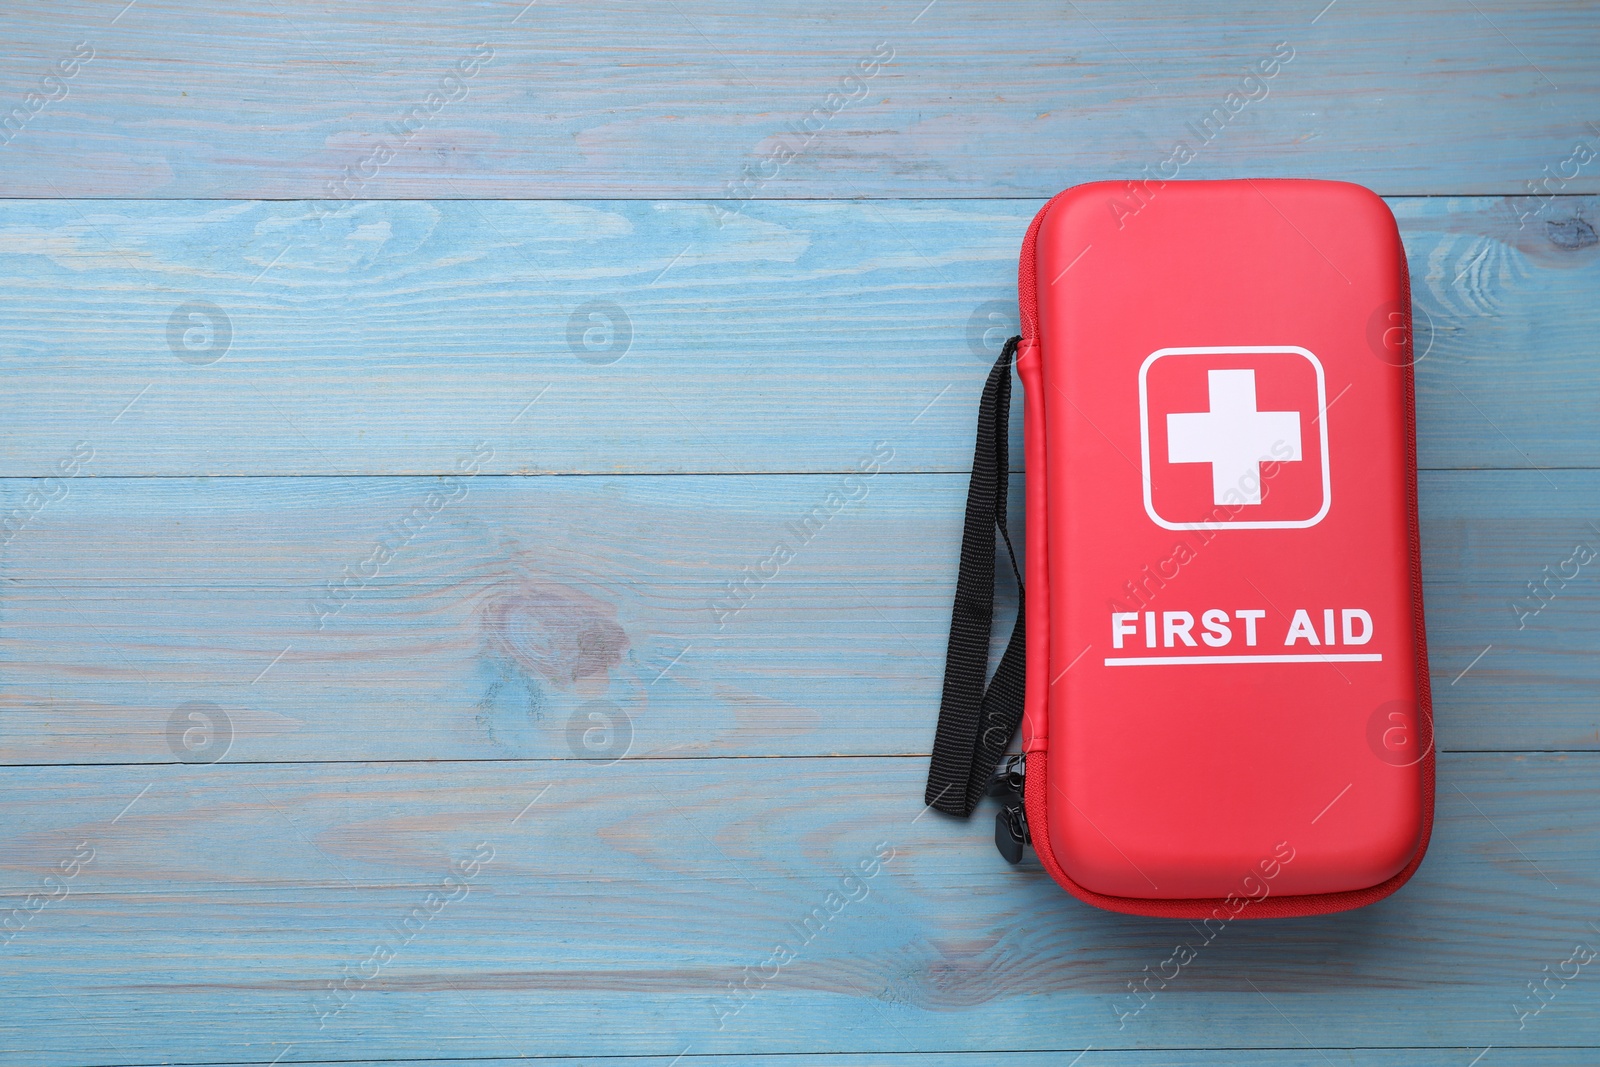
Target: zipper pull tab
[
  {"x": 1011, "y": 832},
  {"x": 1011, "y": 821}
]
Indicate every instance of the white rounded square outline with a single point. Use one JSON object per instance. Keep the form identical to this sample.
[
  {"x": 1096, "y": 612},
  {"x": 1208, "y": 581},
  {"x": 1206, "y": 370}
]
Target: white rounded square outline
[{"x": 1144, "y": 438}]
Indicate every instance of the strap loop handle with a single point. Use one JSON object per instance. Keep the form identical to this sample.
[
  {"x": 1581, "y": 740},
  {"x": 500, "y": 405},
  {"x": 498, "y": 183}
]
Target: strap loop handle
[{"x": 976, "y": 723}]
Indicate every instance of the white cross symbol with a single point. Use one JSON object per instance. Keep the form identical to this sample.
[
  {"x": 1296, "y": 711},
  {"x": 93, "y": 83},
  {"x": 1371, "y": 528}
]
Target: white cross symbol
[{"x": 1233, "y": 437}]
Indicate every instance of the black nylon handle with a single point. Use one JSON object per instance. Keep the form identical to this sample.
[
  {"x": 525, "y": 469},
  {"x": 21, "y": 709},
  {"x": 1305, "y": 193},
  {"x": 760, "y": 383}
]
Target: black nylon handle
[{"x": 976, "y": 724}]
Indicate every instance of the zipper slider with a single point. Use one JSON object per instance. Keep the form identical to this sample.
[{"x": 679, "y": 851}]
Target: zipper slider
[
  {"x": 1008, "y": 777},
  {"x": 1011, "y": 821}
]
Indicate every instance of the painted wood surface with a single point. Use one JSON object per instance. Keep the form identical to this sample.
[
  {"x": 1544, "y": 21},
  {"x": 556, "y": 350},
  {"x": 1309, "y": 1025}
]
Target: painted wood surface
[
  {"x": 290, "y": 98},
  {"x": 266, "y": 305},
  {"x": 511, "y": 610},
  {"x": 602, "y": 910},
  {"x": 1066, "y": 1056},
  {"x": 204, "y": 338}
]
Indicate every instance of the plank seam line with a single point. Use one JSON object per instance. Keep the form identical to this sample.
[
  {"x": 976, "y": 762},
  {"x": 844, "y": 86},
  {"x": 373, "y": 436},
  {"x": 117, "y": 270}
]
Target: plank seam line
[
  {"x": 1016, "y": 472},
  {"x": 909, "y": 1056},
  {"x": 570, "y": 760},
  {"x": 1520, "y": 194}
]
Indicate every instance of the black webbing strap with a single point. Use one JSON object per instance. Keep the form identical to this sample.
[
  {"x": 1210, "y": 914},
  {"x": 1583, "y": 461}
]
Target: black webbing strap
[{"x": 976, "y": 724}]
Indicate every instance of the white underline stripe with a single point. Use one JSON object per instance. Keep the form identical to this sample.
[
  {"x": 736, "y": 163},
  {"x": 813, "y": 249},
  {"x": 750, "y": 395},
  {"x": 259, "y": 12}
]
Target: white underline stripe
[{"x": 1154, "y": 661}]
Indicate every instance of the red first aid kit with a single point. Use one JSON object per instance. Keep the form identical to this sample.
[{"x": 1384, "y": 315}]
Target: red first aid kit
[{"x": 1218, "y": 665}]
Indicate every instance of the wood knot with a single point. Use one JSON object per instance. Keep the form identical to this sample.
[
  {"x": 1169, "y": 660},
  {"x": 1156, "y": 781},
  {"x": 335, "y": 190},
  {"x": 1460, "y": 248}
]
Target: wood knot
[
  {"x": 1571, "y": 234},
  {"x": 563, "y": 634}
]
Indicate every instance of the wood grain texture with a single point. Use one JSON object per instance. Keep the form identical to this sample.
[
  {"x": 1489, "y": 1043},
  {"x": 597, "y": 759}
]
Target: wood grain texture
[
  {"x": 281, "y": 98},
  {"x": 1056, "y": 1058},
  {"x": 617, "y": 903},
  {"x": 390, "y": 338},
  {"x": 510, "y": 615},
  {"x": 589, "y": 258}
]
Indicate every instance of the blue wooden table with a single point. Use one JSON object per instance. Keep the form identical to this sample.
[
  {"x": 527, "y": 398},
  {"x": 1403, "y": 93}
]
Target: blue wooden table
[{"x": 406, "y": 404}]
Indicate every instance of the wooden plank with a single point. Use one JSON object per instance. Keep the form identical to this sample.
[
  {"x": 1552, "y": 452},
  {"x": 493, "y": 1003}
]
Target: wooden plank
[
  {"x": 509, "y": 614},
  {"x": 609, "y": 912},
  {"x": 1055, "y": 1058},
  {"x": 505, "y": 617},
  {"x": 1508, "y": 358},
  {"x": 393, "y": 338},
  {"x": 288, "y": 98},
  {"x": 1511, "y": 601}
]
